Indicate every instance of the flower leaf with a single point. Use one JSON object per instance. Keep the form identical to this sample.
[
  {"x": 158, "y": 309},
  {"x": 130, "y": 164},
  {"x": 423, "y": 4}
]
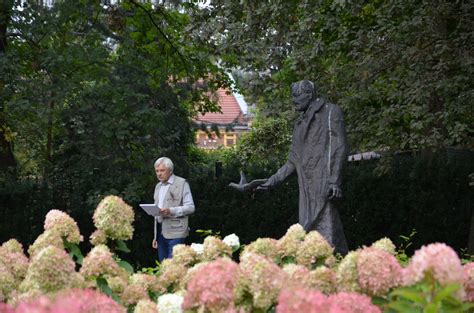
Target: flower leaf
[
  {"x": 126, "y": 266},
  {"x": 445, "y": 292},
  {"x": 409, "y": 295},
  {"x": 122, "y": 246}
]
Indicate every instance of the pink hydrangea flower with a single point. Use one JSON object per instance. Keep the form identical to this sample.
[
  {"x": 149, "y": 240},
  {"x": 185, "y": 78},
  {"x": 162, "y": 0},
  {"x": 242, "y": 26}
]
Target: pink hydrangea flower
[
  {"x": 352, "y": 302},
  {"x": 114, "y": 218},
  {"x": 15, "y": 261},
  {"x": 50, "y": 270},
  {"x": 64, "y": 225},
  {"x": 171, "y": 275},
  {"x": 378, "y": 271},
  {"x": 322, "y": 279},
  {"x": 99, "y": 261},
  {"x": 98, "y": 237},
  {"x": 134, "y": 293},
  {"x": 146, "y": 306},
  {"x": 438, "y": 260},
  {"x": 5, "y": 308},
  {"x": 41, "y": 304},
  {"x": 469, "y": 281},
  {"x": 385, "y": 244},
  {"x": 211, "y": 287},
  {"x": 72, "y": 301},
  {"x": 296, "y": 274},
  {"x": 47, "y": 238},
  {"x": 346, "y": 273},
  {"x": 116, "y": 283},
  {"x": 185, "y": 255},
  {"x": 147, "y": 281},
  {"x": 302, "y": 300},
  {"x": 289, "y": 244},
  {"x": 189, "y": 275},
  {"x": 262, "y": 279},
  {"x": 13, "y": 245},
  {"x": 263, "y": 246},
  {"x": 314, "y": 250},
  {"x": 7, "y": 283},
  {"x": 215, "y": 248}
]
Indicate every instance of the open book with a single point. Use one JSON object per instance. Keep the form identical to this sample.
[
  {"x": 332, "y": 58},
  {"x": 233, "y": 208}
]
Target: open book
[{"x": 151, "y": 209}]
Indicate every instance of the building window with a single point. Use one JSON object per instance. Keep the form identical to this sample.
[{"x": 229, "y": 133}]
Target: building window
[{"x": 230, "y": 142}]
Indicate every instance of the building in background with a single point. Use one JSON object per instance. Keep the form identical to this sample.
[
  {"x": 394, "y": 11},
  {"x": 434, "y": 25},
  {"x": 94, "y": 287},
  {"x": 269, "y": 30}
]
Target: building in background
[{"x": 223, "y": 129}]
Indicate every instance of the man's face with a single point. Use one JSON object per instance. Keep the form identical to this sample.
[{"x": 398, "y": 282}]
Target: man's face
[
  {"x": 162, "y": 173},
  {"x": 302, "y": 99}
]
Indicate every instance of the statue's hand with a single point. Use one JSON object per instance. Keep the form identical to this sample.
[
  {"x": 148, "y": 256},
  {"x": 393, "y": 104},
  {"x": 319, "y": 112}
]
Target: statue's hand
[
  {"x": 257, "y": 183},
  {"x": 254, "y": 184},
  {"x": 334, "y": 192},
  {"x": 264, "y": 186}
]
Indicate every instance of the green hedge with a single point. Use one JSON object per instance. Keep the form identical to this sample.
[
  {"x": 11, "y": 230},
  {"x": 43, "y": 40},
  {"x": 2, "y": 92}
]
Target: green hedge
[{"x": 430, "y": 194}]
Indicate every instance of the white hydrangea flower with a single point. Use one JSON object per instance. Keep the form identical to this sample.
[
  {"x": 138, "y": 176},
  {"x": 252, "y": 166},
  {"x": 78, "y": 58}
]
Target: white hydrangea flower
[
  {"x": 197, "y": 247},
  {"x": 232, "y": 241},
  {"x": 170, "y": 303}
]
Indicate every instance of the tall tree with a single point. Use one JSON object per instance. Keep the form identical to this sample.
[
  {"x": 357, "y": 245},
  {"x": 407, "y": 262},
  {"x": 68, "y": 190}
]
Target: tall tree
[
  {"x": 76, "y": 67},
  {"x": 402, "y": 70}
]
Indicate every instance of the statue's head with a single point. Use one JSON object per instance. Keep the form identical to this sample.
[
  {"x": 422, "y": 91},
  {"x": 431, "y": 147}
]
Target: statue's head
[{"x": 303, "y": 93}]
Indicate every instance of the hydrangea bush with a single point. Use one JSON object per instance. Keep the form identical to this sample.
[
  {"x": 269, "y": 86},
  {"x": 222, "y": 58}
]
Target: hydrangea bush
[{"x": 295, "y": 273}]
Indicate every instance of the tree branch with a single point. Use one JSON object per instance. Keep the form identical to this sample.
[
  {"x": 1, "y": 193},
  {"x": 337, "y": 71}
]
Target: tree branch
[{"x": 150, "y": 16}]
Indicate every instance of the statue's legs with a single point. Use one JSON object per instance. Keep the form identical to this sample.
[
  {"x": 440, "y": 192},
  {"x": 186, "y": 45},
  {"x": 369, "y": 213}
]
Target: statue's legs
[{"x": 328, "y": 223}]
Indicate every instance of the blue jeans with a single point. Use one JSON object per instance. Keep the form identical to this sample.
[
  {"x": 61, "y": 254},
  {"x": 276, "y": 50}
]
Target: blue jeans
[{"x": 165, "y": 247}]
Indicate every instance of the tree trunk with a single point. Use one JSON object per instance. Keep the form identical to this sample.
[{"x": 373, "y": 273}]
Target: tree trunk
[{"x": 7, "y": 160}]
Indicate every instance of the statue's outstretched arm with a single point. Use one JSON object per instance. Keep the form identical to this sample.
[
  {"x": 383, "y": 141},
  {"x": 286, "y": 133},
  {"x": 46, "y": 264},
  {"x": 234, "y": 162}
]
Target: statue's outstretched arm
[
  {"x": 243, "y": 185},
  {"x": 264, "y": 183},
  {"x": 280, "y": 176},
  {"x": 248, "y": 186}
]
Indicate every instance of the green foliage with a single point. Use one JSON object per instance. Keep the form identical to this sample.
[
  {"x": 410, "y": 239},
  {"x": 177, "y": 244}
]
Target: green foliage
[
  {"x": 152, "y": 270},
  {"x": 398, "y": 68},
  {"x": 406, "y": 242},
  {"x": 104, "y": 287},
  {"x": 97, "y": 89},
  {"x": 465, "y": 256},
  {"x": 91, "y": 95},
  {"x": 266, "y": 146},
  {"x": 422, "y": 192},
  {"x": 419, "y": 192},
  {"x": 122, "y": 246},
  {"x": 125, "y": 265},
  {"x": 427, "y": 297},
  {"x": 208, "y": 232},
  {"x": 74, "y": 251}
]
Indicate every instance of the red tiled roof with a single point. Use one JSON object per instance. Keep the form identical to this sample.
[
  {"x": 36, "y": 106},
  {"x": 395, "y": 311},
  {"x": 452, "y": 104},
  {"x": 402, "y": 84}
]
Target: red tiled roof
[{"x": 231, "y": 112}]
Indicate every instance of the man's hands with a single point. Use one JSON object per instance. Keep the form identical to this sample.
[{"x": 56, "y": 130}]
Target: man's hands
[
  {"x": 154, "y": 244},
  {"x": 334, "y": 192},
  {"x": 165, "y": 212}
]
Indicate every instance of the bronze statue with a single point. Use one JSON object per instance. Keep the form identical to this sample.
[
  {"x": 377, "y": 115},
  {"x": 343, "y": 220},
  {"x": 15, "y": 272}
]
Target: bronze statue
[{"x": 317, "y": 154}]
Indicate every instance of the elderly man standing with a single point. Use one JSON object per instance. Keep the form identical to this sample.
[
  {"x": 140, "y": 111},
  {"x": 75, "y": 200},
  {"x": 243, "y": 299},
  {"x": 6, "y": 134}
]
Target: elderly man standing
[
  {"x": 318, "y": 151},
  {"x": 173, "y": 197}
]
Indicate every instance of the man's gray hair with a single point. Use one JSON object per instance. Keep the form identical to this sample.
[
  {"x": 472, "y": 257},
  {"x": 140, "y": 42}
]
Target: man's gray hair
[
  {"x": 301, "y": 86},
  {"x": 166, "y": 162}
]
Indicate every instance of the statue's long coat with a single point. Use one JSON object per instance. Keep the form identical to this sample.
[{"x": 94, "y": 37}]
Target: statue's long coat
[{"x": 318, "y": 152}]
